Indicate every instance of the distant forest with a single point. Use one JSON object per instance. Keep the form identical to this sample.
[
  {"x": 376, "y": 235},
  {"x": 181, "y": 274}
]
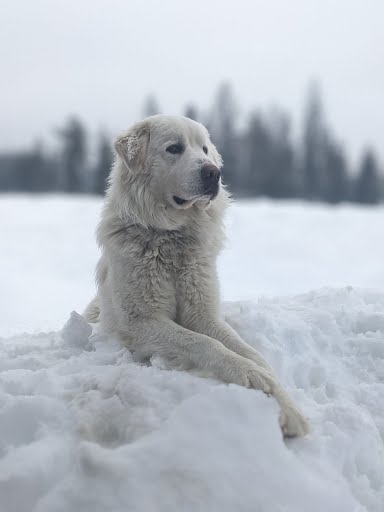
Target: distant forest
[{"x": 261, "y": 159}]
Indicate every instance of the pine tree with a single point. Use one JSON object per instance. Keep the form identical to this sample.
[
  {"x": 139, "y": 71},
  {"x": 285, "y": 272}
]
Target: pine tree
[
  {"x": 314, "y": 138},
  {"x": 368, "y": 184},
  {"x": 336, "y": 181},
  {"x": 151, "y": 106},
  {"x": 256, "y": 148},
  {"x": 74, "y": 155},
  {"x": 191, "y": 112},
  {"x": 280, "y": 179},
  {"x": 221, "y": 125},
  {"x": 269, "y": 169}
]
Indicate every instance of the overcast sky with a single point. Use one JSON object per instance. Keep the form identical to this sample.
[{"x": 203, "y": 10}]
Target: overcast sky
[{"x": 100, "y": 59}]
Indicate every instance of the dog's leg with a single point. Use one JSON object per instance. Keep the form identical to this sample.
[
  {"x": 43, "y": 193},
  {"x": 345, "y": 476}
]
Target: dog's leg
[
  {"x": 92, "y": 311},
  {"x": 291, "y": 420},
  {"x": 183, "y": 347},
  {"x": 221, "y": 331}
]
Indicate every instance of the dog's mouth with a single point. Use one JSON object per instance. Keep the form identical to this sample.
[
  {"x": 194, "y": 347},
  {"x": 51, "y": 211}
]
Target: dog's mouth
[{"x": 209, "y": 195}]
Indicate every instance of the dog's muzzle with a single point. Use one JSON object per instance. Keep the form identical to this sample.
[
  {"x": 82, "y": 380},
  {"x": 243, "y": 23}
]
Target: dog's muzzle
[{"x": 210, "y": 176}]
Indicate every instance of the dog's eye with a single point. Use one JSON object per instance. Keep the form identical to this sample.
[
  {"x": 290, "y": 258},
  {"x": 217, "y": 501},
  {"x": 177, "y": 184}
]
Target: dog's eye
[
  {"x": 175, "y": 149},
  {"x": 205, "y": 149}
]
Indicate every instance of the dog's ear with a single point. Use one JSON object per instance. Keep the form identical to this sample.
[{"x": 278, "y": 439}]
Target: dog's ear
[
  {"x": 215, "y": 155},
  {"x": 132, "y": 146}
]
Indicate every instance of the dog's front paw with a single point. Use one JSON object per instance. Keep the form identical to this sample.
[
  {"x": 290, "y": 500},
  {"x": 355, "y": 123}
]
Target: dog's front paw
[
  {"x": 246, "y": 373},
  {"x": 293, "y": 423}
]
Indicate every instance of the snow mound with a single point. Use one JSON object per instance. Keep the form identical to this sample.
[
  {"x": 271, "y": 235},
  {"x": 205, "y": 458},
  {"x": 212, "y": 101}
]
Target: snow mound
[
  {"x": 76, "y": 331},
  {"x": 84, "y": 428}
]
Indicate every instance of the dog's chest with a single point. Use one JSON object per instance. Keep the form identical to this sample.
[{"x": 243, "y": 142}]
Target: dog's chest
[
  {"x": 168, "y": 270},
  {"x": 172, "y": 254}
]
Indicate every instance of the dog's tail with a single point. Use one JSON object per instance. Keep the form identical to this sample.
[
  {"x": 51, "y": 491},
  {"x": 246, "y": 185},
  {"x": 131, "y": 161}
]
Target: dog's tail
[{"x": 92, "y": 311}]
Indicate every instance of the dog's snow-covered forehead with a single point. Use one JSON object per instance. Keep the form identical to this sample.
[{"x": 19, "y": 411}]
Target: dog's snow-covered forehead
[{"x": 160, "y": 131}]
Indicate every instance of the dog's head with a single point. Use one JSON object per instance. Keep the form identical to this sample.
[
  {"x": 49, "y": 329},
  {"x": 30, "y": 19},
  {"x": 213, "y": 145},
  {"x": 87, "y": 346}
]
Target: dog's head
[{"x": 174, "y": 159}]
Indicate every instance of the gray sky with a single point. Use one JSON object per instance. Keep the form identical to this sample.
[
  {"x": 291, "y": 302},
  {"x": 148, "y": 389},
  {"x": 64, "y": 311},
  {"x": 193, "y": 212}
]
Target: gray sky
[{"x": 100, "y": 59}]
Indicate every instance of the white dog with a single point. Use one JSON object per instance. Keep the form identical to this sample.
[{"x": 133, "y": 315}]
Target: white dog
[{"x": 160, "y": 233}]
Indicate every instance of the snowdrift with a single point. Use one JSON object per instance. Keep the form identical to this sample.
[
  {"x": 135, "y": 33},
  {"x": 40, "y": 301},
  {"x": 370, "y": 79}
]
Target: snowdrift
[{"x": 84, "y": 428}]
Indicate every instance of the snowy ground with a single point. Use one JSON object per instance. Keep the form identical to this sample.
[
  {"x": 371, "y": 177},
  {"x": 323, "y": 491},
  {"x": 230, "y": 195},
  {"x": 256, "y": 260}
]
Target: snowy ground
[
  {"x": 83, "y": 428},
  {"x": 48, "y": 253}
]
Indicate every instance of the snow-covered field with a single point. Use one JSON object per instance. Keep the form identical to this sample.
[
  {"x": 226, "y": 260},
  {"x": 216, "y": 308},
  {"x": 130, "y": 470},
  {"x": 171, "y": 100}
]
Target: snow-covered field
[{"x": 84, "y": 428}]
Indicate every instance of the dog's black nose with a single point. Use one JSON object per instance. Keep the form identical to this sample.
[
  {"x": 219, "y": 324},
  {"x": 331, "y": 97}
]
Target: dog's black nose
[{"x": 210, "y": 175}]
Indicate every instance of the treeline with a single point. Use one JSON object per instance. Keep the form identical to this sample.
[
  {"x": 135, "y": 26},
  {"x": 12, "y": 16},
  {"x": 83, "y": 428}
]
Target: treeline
[
  {"x": 70, "y": 169},
  {"x": 261, "y": 158}
]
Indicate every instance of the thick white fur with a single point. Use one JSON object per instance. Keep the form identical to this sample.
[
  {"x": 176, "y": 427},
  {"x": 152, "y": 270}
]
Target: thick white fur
[{"x": 157, "y": 280}]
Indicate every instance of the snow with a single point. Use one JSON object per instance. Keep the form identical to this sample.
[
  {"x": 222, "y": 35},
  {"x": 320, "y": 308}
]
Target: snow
[
  {"x": 48, "y": 254},
  {"x": 83, "y": 427}
]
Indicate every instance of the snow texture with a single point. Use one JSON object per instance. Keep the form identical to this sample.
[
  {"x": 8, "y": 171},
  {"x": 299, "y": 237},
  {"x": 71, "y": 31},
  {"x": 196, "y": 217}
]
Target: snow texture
[{"x": 84, "y": 428}]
